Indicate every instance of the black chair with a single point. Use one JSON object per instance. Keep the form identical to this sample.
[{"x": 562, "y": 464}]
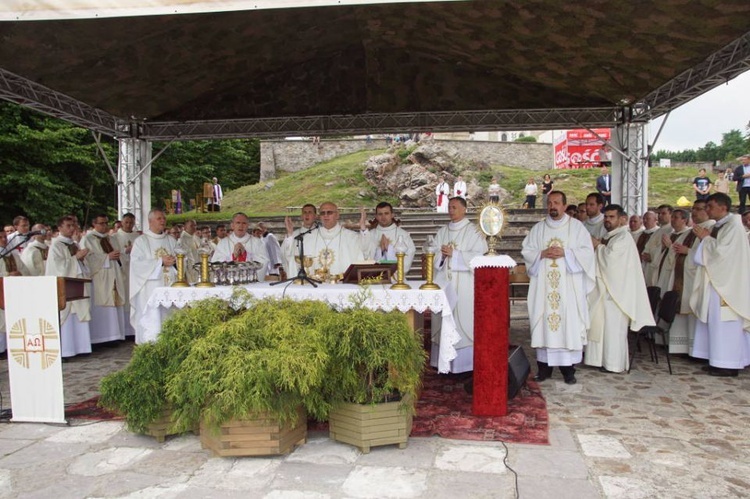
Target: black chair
[{"x": 666, "y": 311}]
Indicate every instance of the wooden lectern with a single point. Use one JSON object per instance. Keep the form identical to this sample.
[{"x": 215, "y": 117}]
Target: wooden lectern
[{"x": 68, "y": 289}]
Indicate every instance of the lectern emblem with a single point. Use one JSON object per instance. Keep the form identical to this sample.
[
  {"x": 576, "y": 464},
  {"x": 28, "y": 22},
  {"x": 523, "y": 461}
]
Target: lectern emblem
[{"x": 25, "y": 344}]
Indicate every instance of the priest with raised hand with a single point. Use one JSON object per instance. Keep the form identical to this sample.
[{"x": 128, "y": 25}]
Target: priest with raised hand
[
  {"x": 458, "y": 243},
  {"x": 107, "y": 283},
  {"x": 721, "y": 291},
  {"x": 152, "y": 265},
  {"x": 67, "y": 259},
  {"x": 559, "y": 260},
  {"x": 241, "y": 246},
  {"x": 289, "y": 248},
  {"x": 34, "y": 256},
  {"x": 125, "y": 237},
  {"x": 385, "y": 235},
  {"x": 619, "y": 301}
]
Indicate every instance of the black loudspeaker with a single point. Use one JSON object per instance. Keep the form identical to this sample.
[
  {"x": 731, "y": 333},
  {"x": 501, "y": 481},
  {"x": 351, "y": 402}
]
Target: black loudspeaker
[{"x": 518, "y": 370}]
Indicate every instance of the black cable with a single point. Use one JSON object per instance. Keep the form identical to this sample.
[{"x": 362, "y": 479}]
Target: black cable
[{"x": 505, "y": 463}]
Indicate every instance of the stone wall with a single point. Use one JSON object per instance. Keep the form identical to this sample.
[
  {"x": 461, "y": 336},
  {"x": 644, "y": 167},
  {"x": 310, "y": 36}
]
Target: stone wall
[{"x": 295, "y": 155}]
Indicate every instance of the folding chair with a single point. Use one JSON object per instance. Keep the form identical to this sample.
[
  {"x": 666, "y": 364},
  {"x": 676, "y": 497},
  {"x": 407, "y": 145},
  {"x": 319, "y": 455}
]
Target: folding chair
[{"x": 666, "y": 311}]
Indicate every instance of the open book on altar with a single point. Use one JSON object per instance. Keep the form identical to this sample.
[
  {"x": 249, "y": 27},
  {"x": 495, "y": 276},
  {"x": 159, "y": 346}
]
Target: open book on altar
[{"x": 371, "y": 272}]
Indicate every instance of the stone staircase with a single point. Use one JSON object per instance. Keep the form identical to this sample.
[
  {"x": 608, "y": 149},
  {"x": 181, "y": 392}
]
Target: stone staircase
[{"x": 423, "y": 224}]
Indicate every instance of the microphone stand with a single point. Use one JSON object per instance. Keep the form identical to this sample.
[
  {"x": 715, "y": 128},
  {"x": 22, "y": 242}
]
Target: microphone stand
[
  {"x": 22, "y": 239},
  {"x": 302, "y": 273}
]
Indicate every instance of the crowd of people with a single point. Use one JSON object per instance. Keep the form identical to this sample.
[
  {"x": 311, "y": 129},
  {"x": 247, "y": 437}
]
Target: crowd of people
[{"x": 590, "y": 268}]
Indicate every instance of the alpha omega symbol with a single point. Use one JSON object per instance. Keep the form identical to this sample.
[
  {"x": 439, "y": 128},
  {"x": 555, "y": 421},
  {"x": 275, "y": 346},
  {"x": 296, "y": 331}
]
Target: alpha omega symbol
[{"x": 25, "y": 344}]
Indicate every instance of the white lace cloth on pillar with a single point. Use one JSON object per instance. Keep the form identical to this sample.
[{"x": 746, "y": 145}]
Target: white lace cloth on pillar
[
  {"x": 492, "y": 261},
  {"x": 165, "y": 299}
]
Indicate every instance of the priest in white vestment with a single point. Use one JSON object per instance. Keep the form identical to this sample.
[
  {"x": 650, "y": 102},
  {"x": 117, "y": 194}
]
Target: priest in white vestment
[
  {"x": 559, "y": 260},
  {"x": 619, "y": 302},
  {"x": 241, "y": 246},
  {"x": 67, "y": 259},
  {"x": 649, "y": 229},
  {"x": 680, "y": 230},
  {"x": 654, "y": 249},
  {"x": 594, "y": 222},
  {"x": 721, "y": 291},
  {"x": 126, "y": 236},
  {"x": 383, "y": 238},
  {"x": 34, "y": 256},
  {"x": 152, "y": 265},
  {"x": 107, "y": 283},
  {"x": 442, "y": 193},
  {"x": 22, "y": 227},
  {"x": 273, "y": 249},
  {"x": 459, "y": 242},
  {"x": 635, "y": 225},
  {"x": 190, "y": 240},
  {"x": 290, "y": 246},
  {"x": 10, "y": 265}
]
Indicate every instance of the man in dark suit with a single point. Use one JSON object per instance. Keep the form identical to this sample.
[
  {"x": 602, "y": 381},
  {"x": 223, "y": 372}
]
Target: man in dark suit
[
  {"x": 604, "y": 186},
  {"x": 742, "y": 177}
]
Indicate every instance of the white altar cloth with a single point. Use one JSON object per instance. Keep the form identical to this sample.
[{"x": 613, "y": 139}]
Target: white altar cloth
[{"x": 165, "y": 299}]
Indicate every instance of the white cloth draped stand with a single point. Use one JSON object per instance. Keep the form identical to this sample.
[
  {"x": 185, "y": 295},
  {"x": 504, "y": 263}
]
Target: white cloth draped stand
[{"x": 164, "y": 300}]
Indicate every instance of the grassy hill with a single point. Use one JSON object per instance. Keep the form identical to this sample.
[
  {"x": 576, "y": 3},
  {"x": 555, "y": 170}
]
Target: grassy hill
[{"x": 341, "y": 181}]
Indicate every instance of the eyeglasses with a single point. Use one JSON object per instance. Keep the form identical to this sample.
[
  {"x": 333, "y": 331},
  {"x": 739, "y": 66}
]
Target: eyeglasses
[{"x": 325, "y": 213}]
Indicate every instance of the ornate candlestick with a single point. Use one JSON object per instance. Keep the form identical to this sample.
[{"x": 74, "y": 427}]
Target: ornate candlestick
[
  {"x": 429, "y": 249},
  {"x": 204, "y": 251},
  {"x": 181, "y": 281},
  {"x": 400, "y": 253}
]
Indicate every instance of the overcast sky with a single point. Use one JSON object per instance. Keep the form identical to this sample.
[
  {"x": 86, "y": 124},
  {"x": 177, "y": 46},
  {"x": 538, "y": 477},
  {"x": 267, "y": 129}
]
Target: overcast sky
[{"x": 707, "y": 117}]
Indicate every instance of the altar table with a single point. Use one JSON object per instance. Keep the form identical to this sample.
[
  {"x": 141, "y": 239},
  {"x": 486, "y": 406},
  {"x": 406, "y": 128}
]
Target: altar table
[{"x": 165, "y": 300}]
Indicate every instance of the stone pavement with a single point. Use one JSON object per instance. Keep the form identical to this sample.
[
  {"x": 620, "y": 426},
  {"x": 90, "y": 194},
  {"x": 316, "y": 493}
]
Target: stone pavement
[{"x": 646, "y": 434}]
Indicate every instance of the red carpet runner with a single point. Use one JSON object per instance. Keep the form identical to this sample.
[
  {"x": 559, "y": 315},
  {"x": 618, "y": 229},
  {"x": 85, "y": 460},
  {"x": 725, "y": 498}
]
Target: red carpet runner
[{"x": 444, "y": 409}]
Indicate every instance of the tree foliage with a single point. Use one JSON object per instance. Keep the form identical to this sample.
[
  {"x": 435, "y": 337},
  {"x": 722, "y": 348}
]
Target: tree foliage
[{"x": 733, "y": 144}]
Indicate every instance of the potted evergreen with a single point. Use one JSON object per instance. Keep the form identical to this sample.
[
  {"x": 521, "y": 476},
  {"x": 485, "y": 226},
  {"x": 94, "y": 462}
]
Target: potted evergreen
[
  {"x": 249, "y": 381},
  {"x": 139, "y": 391},
  {"x": 373, "y": 377}
]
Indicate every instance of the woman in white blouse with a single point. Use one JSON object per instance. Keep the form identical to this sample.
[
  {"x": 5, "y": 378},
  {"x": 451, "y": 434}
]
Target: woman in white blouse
[{"x": 530, "y": 190}]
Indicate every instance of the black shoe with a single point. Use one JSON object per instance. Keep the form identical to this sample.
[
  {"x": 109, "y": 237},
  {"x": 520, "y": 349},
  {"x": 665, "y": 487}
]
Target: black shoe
[
  {"x": 541, "y": 376},
  {"x": 543, "y": 371},
  {"x": 721, "y": 372},
  {"x": 569, "y": 374},
  {"x": 571, "y": 380}
]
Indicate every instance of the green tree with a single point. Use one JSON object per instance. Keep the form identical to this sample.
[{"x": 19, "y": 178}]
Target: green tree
[{"x": 732, "y": 145}]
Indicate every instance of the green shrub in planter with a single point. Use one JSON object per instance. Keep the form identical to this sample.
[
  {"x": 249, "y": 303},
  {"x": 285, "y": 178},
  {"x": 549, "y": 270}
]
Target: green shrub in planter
[
  {"x": 269, "y": 359},
  {"x": 139, "y": 390}
]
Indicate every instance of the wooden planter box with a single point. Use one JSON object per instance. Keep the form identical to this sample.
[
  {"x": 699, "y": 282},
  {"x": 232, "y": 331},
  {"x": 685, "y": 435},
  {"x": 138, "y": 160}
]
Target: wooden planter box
[
  {"x": 263, "y": 436},
  {"x": 161, "y": 427},
  {"x": 366, "y": 425}
]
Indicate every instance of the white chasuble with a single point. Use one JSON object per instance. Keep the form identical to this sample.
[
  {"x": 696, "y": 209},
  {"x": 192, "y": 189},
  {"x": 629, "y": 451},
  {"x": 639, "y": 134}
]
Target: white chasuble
[
  {"x": 595, "y": 226},
  {"x": 335, "y": 249},
  {"x": 190, "y": 243},
  {"x": 34, "y": 258},
  {"x": 255, "y": 251},
  {"x": 618, "y": 302},
  {"x": 147, "y": 273},
  {"x": 558, "y": 311},
  {"x": 107, "y": 288},
  {"x": 454, "y": 275},
  {"x": 665, "y": 277},
  {"x": 392, "y": 233},
  {"x": 655, "y": 249}
]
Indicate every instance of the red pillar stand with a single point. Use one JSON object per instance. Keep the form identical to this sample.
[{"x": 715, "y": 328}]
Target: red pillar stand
[{"x": 491, "y": 335}]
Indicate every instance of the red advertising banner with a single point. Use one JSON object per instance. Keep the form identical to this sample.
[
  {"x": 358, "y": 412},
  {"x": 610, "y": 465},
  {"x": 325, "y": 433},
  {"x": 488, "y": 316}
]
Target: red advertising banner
[{"x": 581, "y": 149}]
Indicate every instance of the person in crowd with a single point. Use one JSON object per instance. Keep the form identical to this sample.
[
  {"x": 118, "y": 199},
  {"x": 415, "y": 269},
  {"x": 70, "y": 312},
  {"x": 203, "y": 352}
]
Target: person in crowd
[
  {"x": 115, "y": 227},
  {"x": 742, "y": 177},
  {"x": 21, "y": 227},
  {"x": 241, "y": 246},
  {"x": 9, "y": 229},
  {"x": 125, "y": 238},
  {"x": 619, "y": 302},
  {"x": 107, "y": 283},
  {"x": 384, "y": 237},
  {"x": 604, "y": 185},
  {"x": 494, "y": 191},
  {"x": 174, "y": 232},
  {"x": 547, "y": 185},
  {"x": 582, "y": 217},
  {"x": 649, "y": 228},
  {"x": 594, "y": 222},
  {"x": 67, "y": 259},
  {"x": 35, "y": 256},
  {"x": 746, "y": 221},
  {"x": 289, "y": 248},
  {"x": 190, "y": 241},
  {"x": 273, "y": 249},
  {"x": 559, "y": 259},
  {"x": 221, "y": 233},
  {"x": 214, "y": 203},
  {"x": 722, "y": 184},
  {"x": 442, "y": 193},
  {"x": 152, "y": 265},
  {"x": 459, "y": 242},
  {"x": 459, "y": 188},
  {"x": 721, "y": 301},
  {"x": 635, "y": 226},
  {"x": 702, "y": 185},
  {"x": 654, "y": 248},
  {"x": 10, "y": 265},
  {"x": 530, "y": 191},
  {"x": 571, "y": 211}
]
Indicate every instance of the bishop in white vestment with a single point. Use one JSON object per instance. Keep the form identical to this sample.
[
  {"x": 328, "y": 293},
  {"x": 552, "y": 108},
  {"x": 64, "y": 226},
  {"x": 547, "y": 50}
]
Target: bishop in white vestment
[
  {"x": 384, "y": 237},
  {"x": 459, "y": 242},
  {"x": 107, "y": 283},
  {"x": 559, "y": 260},
  {"x": 241, "y": 246},
  {"x": 619, "y": 301},
  {"x": 152, "y": 265},
  {"x": 721, "y": 291},
  {"x": 67, "y": 259}
]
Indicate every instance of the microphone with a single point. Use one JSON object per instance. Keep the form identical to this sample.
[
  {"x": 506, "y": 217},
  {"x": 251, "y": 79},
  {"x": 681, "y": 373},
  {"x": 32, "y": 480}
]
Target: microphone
[
  {"x": 33, "y": 233},
  {"x": 315, "y": 225}
]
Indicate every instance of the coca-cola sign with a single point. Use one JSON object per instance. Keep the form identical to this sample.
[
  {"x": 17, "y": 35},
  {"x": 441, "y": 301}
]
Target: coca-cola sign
[{"x": 580, "y": 148}]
